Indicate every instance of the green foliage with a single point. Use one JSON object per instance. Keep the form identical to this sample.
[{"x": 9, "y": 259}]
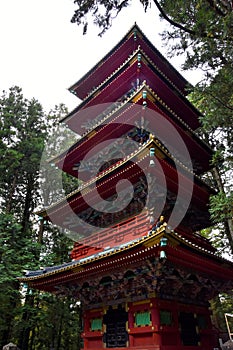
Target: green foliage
[
  {"x": 193, "y": 22},
  {"x": 27, "y": 317},
  {"x": 221, "y": 305},
  {"x": 22, "y": 136},
  {"x": 54, "y": 323},
  {"x": 16, "y": 253},
  {"x": 21, "y": 146},
  {"x": 203, "y": 34},
  {"x": 70, "y": 183},
  {"x": 64, "y": 329},
  {"x": 54, "y": 184},
  {"x": 102, "y": 11},
  {"x": 215, "y": 100},
  {"x": 54, "y": 251},
  {"x": 221, "y": 206}
]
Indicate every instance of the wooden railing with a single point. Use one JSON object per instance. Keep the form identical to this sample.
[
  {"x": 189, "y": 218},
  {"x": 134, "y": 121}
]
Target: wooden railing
[{"x": 112, "y": 237}]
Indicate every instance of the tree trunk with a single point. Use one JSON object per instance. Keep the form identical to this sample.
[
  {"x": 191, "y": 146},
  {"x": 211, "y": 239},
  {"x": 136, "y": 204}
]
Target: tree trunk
[
  {"x": 27, "y": 204},
  {"x": 60, "y": 330},
  {"x": 25, "y": 333},
  {"x": 40, "y": 232},
  {"x": 11, "y": 193}
]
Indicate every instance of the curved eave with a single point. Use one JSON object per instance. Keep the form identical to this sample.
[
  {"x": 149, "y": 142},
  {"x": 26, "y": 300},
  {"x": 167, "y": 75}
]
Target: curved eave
[
  {"x": 178, "y": 250},
  {"x": 107, "y": 180},
  {"x": 106, "y": 128},
  {"x": 201, "y": 260},
  {"x": 118, "y": 55},
  {"x": 101, "y": 177},
  {"x": 198, "y": 150},
  {"x": 120, "y": 82},
  {"x": 128, "y": 62},
  {"x": 113, "y": 91},
  {"x": 117, "y": 109},
  {"x": 82, "y": 263}
]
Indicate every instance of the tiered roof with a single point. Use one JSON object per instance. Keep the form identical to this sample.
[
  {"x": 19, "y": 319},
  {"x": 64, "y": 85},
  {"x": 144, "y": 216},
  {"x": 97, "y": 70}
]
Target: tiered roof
[
  {"x": 113, "y": 107},
  {"x": 133, "y": 167},
  {"x": 111, "y": 123},
  {"x": 118, "y": 55},
  {"x": 132, "y": 84},
  {"x": 186, "y": 269}
]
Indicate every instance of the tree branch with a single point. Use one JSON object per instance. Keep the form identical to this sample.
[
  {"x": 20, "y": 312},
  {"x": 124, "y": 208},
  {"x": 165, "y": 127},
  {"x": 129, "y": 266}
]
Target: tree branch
[
  {"x": 220, "y": 101},
  {"x": 178, "y": 25}
]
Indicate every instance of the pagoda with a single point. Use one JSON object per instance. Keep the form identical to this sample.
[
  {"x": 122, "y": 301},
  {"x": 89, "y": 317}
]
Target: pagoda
[{"x": 143, "y": 273}]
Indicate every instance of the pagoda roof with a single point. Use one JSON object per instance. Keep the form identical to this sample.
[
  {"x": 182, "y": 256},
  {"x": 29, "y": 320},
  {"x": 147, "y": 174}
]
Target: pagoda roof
[
  {"x": 118, "y": 54},
  {"x": 179, "y": 251},
  {"x": 116, "y": 119},
  {"x": 132, "y": 168},
  {"x": 124, "y": 80},
  {"x": 126, "y": 231}
]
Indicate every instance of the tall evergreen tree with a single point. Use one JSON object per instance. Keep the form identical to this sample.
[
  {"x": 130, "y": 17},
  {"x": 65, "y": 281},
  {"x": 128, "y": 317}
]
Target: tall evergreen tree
[
  {"x": 22, "y": 138},
  {"x": 27, "y": 316}
]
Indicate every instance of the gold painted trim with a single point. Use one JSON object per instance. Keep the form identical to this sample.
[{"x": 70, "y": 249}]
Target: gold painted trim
[{"x": 141, "y": 302}]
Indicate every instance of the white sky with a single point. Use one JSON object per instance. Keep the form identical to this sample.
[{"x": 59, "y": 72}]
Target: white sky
[{"x": 44, "y": 53}]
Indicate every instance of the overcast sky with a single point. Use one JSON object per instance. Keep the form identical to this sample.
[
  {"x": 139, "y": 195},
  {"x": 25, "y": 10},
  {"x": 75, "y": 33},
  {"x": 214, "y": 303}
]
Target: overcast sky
[{"x": 44, "y": 53}]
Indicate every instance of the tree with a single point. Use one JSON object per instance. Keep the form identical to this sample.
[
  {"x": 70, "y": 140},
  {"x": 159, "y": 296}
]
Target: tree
[
  {"x": 22, "y": 142},
  {"x": 192, "y": 19},
  {"x": 26, "y": 243},
  {"x": 14, "y": 255},
  {"x": 37, "y": 312},
  {"x": 21, "y": 146}
]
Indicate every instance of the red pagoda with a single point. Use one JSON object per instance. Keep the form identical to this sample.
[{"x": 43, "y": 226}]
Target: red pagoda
[{"x": 143, "y": 273}]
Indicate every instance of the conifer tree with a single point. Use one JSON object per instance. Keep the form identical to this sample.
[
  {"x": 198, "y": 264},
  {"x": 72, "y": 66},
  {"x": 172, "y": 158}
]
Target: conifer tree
[
  {"x": 22, "y": 138},
  {"x": 27, "y": 243}
]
